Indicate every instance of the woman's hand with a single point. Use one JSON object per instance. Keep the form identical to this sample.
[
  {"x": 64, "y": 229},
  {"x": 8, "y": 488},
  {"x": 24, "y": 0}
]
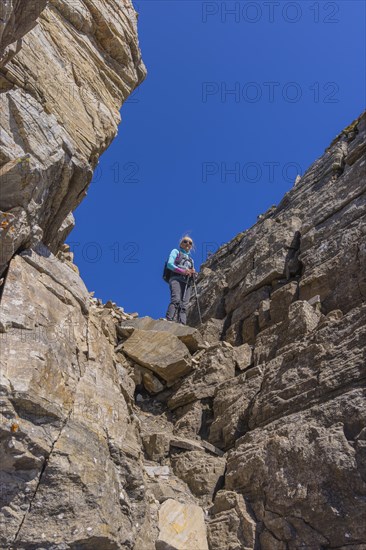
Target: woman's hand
[{"x": 190, "y": 272}]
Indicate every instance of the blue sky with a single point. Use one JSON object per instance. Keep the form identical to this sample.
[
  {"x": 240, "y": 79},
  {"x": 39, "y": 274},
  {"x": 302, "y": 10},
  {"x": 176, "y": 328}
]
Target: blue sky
[{"x": 239, "y": 98}]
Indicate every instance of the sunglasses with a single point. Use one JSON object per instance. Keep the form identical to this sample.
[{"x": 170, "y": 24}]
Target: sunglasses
[{"x": 187, "y": 242}]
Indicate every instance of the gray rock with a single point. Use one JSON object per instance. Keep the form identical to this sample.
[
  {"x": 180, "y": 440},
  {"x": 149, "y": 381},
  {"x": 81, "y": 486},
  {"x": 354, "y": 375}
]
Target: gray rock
[
  {"x": 233, "y": 524},
  {"x": 156, "y": 445},
  {"x": 202, "y": 472},
  {"x": 161, "y": 352},
  {"x": 188, "y": 335},
  {"x": 73, "y": 436},
  {"x": 216, "y": 366},
  {"x": 243, "y": 356}
]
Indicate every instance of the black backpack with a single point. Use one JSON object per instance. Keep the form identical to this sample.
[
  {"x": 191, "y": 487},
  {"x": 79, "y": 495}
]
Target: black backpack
[{"x": 168, "y": 272}]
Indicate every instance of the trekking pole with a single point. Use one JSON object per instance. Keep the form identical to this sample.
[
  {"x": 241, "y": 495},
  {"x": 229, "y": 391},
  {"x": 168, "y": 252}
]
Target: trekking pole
[{"x": 198, "y": 304}]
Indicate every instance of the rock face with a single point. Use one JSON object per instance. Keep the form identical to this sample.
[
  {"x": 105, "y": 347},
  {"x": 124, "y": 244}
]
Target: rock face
[
  {"x": 293, "y": 290},
  {"x": 83, "y": 464},
  {"x": 120, "y": 432},
  {"x": 311, "y": 245},
  {"x": 65, "y": 70},
  {"x": 65, "y": 426},
  {"x": 16, "y": 19}
]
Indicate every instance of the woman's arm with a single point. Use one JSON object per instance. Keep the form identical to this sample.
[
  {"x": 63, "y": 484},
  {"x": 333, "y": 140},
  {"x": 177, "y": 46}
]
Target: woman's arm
[{"x": 171, "y": 265}]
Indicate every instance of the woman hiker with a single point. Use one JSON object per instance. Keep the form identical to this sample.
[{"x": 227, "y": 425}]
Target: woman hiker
[{"x": 181, "y": 264}]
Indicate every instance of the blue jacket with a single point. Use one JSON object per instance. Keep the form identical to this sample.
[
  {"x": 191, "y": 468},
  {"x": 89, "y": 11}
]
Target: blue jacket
[{"x": 173, "y": 255}]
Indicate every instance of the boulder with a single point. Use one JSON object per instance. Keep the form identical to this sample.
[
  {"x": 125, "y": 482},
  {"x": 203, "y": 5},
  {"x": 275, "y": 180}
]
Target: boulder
[
  {"x": 181, "y": 526},
  {"x": 194, "y": 445},
  {"x": 189, "y": 419},
  {"x": 203, "y": 473},
  {"x": 233, "y": 525},
  {"x": 161, "y": 352},
  {"x": 156, "y": 445},
  {"x": 243, "y": 356},
  {"x": 188, "y": 335},
  {"x": 215, "y": 366},
  {"x": 151, "y": 382},
  {"x": 211, "y": 330}
]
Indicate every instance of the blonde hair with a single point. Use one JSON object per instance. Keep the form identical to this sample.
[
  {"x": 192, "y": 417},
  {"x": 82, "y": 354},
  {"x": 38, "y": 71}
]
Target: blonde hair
[{"x": 187, "y": 236}]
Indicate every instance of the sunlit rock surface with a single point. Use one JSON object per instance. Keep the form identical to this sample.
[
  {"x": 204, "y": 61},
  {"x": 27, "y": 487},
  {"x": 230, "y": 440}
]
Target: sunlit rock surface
[
  {"x": 121, "y": 432},
  {"x": 66, "y": 69}
]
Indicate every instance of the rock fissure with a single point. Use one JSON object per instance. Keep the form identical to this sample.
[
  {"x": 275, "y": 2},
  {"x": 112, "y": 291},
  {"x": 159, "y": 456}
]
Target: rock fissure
[
  {"x": 44, "y": 466},
  {"x": 310, "y": 526}
]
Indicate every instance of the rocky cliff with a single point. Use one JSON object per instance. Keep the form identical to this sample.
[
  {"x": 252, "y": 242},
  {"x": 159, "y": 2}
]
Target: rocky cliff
[
  {"x": 65, "y": 70},
  {"x": 121, "y": 432},
  {"x": 289, "y": 295}
]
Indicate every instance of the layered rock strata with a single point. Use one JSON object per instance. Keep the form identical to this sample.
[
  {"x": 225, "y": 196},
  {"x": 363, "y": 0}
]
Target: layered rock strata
[
  {"x": 289, "y": 294},
  {"x": 127, "y": 432},
  {"x": 120, "y": 432},
  {"x": 89, "y": 459},
  {"x": 65, "y": 70}
]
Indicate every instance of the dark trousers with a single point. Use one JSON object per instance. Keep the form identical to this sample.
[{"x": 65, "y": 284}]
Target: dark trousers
[{"x": 178, "y": 305}]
